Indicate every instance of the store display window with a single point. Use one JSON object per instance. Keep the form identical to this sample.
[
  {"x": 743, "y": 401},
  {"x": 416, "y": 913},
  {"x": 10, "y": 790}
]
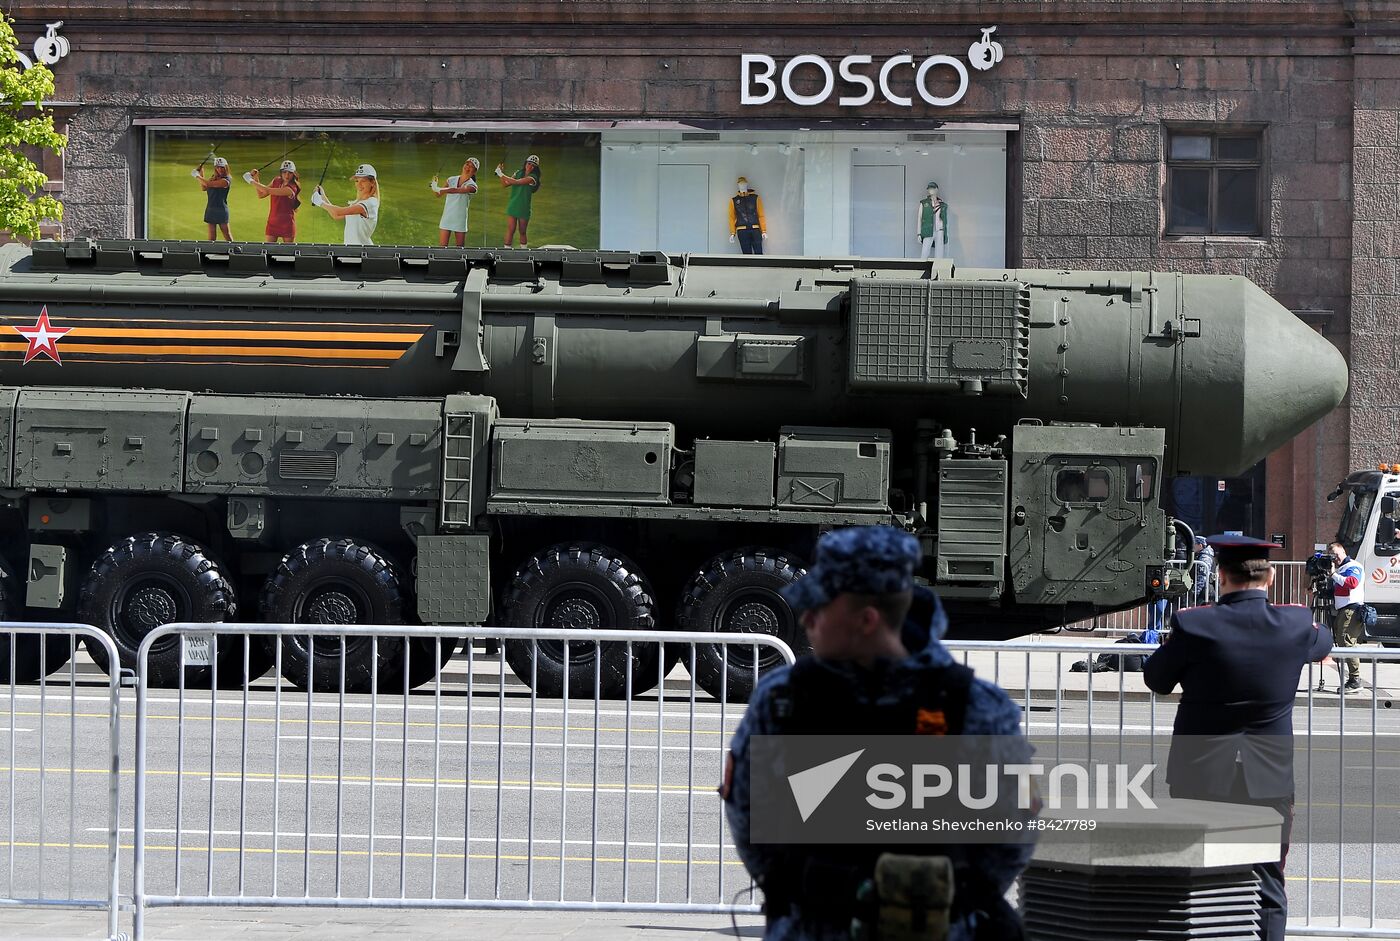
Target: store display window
[{"x": 885, "y": 193}]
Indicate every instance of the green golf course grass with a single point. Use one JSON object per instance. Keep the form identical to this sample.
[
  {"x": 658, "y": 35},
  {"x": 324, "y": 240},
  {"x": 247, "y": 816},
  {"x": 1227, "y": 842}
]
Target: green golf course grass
[{"x": 565, "y": 209}]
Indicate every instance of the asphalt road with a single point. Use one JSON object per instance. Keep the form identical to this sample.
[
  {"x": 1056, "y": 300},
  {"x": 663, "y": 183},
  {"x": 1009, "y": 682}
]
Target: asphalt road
[{"x": 476, "y": 794}]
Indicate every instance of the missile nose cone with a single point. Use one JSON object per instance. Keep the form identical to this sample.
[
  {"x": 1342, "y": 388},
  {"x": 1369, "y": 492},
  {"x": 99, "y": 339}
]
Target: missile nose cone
[
  {"x": 1255, "y": 378},
  {"x": 1292, "y": 375}
]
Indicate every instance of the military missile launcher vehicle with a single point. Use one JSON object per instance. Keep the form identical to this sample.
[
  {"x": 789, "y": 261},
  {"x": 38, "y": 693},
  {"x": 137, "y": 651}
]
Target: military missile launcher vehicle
[{"x": 584, "y": 439}]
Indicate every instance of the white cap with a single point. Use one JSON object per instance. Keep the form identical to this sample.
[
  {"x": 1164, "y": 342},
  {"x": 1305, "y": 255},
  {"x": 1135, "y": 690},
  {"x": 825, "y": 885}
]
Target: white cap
[
  {"x": 365, "y": 169},
  {"x": 288, "y": 165},
  {"x": 220, "y": 162},
  {"x": 533, "y": 158},
  {"x": 474, "y": 162}
]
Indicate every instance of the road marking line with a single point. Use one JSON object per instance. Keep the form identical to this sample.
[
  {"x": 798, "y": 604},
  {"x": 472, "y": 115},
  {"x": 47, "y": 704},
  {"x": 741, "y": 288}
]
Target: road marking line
[
  {"x": 386, "y": 723},
  {"x": 676, "y": 707},
  {"x": 478, "y": 743},
  {"x": 301, "y": 835},
  {"x": 387, "y": 854},
  {"x": 267, "y": 777}
]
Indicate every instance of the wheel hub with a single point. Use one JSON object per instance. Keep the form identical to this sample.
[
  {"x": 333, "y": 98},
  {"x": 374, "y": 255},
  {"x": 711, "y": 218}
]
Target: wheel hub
[
  {"x": 754, "y": 617},
  {"x": 575, "y": 614},
  {"x": 332, "y": 607},
  {"x": 149, "y": 607}
]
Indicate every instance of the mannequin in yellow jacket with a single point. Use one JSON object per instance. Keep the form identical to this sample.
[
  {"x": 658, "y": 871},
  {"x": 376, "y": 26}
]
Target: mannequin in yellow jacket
[{"x": 746, "y": 222}]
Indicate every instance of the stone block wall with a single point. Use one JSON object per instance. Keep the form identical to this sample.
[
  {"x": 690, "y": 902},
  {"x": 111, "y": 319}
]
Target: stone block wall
[{"x": 1375, "y": 238}]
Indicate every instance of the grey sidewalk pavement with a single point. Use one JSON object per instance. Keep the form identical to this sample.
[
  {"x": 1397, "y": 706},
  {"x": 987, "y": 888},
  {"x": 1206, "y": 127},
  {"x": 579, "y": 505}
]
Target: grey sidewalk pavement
[{"x": 186, "y": 924}]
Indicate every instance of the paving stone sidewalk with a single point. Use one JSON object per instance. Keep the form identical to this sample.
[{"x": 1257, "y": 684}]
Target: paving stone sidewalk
[{"x": 369, "y": 925}]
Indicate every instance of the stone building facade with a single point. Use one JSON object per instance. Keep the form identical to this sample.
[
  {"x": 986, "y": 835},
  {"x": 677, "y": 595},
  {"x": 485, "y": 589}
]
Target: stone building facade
[{"x": 1088, "y": 96}]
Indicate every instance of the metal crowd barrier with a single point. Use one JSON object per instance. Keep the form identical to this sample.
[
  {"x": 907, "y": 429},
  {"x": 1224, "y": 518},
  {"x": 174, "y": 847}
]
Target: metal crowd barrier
[
  {"x": 477, "y": 792},
  {"x": 1291, "y": 586},
  {"x": 471, "y": 792},
  {"x": 1347, "y": 775},
  {"x": 61, "y": 772}
]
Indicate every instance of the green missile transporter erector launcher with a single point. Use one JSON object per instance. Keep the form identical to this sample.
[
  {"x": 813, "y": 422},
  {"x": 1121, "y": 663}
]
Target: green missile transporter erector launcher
[{"x": 588, "y": 439}]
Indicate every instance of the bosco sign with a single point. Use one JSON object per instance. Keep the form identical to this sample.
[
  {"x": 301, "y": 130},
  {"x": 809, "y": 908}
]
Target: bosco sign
[{"x": 761, "y": 79}]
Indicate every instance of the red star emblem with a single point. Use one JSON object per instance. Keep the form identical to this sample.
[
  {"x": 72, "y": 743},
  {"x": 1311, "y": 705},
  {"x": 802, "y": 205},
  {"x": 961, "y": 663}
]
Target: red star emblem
[{"x": 43, "y": 338}]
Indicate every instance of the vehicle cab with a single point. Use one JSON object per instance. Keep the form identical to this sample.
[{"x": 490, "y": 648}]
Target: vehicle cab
[{"x": 1370, "y": 531}]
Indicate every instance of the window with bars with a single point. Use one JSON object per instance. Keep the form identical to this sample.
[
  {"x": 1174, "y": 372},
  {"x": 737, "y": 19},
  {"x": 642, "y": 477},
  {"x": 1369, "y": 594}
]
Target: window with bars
[{"x": 1214, "y": 182}]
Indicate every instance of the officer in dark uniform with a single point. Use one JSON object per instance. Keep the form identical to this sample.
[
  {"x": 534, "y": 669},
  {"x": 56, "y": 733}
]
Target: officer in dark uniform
[
  {"x": 1238, "y": 663},
  {"x": 878, "y": 667}
]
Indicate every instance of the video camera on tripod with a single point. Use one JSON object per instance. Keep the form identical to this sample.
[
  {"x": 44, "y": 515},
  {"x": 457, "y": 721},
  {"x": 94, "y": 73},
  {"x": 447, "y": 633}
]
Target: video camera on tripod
[{"x": 1320, "y": 567}]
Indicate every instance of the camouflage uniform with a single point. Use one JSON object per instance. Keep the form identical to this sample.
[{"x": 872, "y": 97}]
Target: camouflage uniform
[{"x": 875, "y": 561}]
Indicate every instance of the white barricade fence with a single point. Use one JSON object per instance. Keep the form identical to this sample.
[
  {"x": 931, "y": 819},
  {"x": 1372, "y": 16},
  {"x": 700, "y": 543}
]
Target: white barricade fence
[
  {"x": 61, "y": 754},
  {"x": 472, "y": 791},
  {"x": 1291, "y": 586},
  {"x": 1343, "y": 865}
]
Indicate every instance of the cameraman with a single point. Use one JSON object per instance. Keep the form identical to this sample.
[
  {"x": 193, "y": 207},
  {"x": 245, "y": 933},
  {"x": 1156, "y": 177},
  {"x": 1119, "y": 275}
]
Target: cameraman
[{"x": 1348, "y": 585}]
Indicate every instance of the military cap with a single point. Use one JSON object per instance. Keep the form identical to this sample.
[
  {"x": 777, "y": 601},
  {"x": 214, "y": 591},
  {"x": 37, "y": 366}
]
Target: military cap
[
  {"x": 1233, "y": 549},
  {"x": 862, "y": 560}
]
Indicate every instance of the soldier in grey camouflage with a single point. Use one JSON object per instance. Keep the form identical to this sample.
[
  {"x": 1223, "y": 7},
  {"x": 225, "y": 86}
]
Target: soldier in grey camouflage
[{"x": 876, "y": 644}]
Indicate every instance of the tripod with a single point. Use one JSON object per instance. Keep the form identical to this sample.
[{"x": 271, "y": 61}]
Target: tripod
[{"x": 1323, "y": 613}]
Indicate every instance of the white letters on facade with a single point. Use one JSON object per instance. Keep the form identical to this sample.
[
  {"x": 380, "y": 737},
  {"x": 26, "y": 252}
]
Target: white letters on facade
[
  {"x": 857, "y": 87},
  {"x": 764, "y": 78},
  {"x": 885, "y": 71},
  {"x": 921, "y": 77},
  {"x": 856, "y": 78},
  {"x": 829, "y": 80}
]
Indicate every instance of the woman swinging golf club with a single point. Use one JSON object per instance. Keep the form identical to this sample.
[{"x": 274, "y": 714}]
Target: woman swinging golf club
[
  {"x": 361, "y": 215},
  {"x": 284, "y": 198},
  {"x": 522, "y": 191},
  {"x": 216, "y": 189},
  {"x": 456, "y": 198}
]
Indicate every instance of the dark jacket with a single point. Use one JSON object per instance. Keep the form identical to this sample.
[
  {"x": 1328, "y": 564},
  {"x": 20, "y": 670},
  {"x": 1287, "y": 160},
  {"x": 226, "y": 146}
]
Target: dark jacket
[
  {"x": 990, "y": 711},
  {"x": 1238, "y": 662}
]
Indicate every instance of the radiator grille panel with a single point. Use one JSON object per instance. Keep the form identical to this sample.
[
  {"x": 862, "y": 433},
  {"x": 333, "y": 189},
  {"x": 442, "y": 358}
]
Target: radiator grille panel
[
  {"x": 931, "y": 336},
  {"x": 306, "y": 465}
]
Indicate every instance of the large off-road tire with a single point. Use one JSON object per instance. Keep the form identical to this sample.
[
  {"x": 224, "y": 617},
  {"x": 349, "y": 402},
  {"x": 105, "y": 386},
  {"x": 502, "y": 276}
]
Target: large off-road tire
[
  {"x": 151, "y": 579},
  {"x": 336, "y": 581},
  {"x": 738, "y": 592},
  {"x": 423, "y": 666},
  {"x": 581, "y": 586},
  {"x": 34, "y": 654}
]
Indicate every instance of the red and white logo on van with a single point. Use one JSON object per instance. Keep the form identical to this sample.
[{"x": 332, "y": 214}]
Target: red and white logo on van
[{"x": 1378, "y": 576}]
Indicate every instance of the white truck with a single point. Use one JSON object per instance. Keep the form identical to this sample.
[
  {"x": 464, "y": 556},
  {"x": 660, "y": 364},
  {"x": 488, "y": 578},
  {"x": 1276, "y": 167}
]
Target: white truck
[{"x": 1370, "y": 531}]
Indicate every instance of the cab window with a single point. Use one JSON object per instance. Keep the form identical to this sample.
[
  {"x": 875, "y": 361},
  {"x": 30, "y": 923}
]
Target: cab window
[
  {"x": 1388, "y": 524},
  {"x": 1142, "y": 479},
  {"x": 1080, "y": 486},
  {"x": 1356, "y": 517}
]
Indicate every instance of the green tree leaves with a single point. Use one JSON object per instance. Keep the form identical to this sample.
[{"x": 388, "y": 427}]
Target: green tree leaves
[{"x": 24, "y": 128}]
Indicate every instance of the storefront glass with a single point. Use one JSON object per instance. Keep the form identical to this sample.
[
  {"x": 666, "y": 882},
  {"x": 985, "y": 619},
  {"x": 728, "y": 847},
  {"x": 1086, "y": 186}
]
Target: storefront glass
[
  {"x": 562, "y": 209},
  {"x": 840, "y": 192}
]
